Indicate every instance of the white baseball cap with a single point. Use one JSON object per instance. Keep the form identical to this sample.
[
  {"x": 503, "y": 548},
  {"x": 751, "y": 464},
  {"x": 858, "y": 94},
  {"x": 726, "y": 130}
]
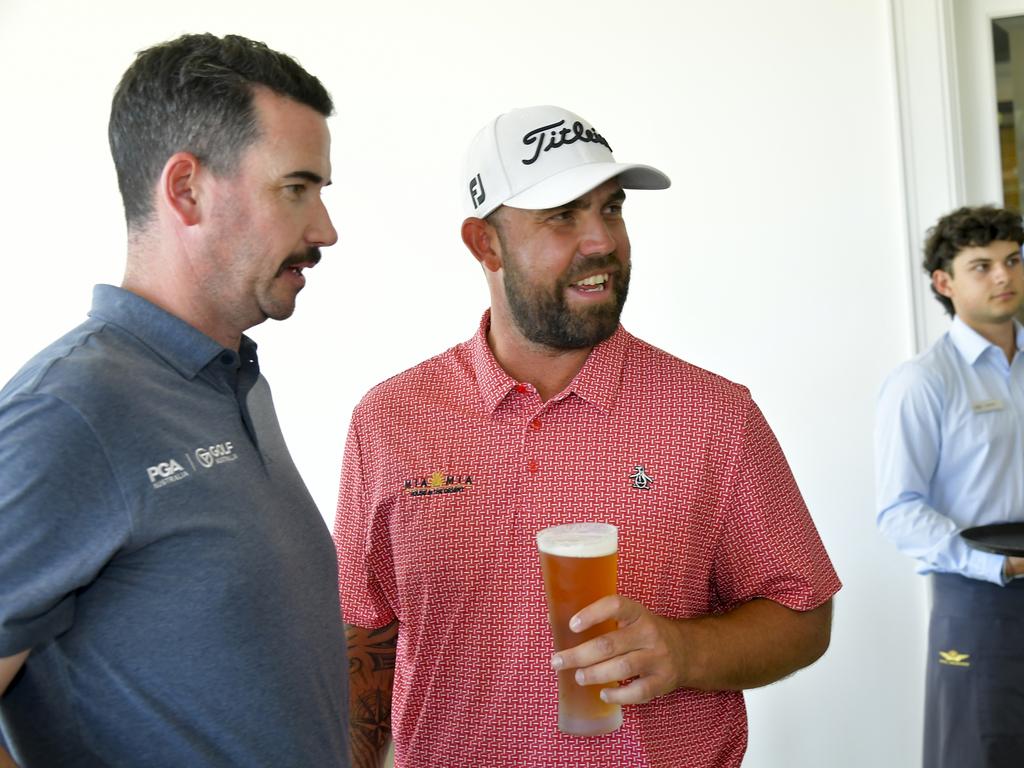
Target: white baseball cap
[{"x": 543, "y": 157}]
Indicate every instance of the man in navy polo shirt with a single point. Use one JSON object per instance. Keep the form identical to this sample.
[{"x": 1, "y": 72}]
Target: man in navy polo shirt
[{"x": 169, "y": 587}]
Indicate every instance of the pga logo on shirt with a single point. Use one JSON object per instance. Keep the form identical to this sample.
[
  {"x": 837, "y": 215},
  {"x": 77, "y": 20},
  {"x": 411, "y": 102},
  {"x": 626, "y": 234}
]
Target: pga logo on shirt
[{"x": 165, "y": 472}]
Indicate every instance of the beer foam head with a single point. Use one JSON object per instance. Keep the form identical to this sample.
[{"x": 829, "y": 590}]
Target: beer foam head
[{"x": 579, "y": 540}]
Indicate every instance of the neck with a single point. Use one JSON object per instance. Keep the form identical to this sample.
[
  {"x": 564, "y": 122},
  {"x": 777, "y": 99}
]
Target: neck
[
  {"x": 1001, "y": 334},
  {"x": 548, "y": 370},
  {"x": 171, "y": 286}
]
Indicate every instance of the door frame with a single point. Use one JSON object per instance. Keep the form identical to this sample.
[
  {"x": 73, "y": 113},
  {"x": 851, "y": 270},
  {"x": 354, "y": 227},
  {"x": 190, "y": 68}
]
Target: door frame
[
  {"x": 949, "y": 134},
  {"x": 927, "y": 87}
]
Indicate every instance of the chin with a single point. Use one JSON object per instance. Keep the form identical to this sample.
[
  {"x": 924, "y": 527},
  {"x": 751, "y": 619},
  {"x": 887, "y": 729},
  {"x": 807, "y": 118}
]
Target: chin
[{"x": 279, "y": 311}]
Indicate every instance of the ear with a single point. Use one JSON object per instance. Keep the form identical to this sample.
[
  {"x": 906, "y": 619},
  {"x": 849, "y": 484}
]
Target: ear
[
  {"x": 941, "y": 281},
  {"x": 482, "y": 240},
  {"x": 178, "y": 189}
]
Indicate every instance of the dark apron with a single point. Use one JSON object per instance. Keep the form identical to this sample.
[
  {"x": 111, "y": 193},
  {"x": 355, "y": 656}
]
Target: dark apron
[{"x": 974, "y": 681}]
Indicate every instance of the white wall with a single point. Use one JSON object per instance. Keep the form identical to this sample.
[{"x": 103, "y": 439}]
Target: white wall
[{"x": 775, "y": 259}]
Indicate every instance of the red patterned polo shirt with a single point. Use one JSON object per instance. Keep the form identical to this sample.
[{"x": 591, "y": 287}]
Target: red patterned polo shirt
[{"x": 450, "y": 470}]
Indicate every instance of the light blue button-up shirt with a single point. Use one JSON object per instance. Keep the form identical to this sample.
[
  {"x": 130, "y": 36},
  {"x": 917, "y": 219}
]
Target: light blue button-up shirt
[{"x": 949, "y": 451}]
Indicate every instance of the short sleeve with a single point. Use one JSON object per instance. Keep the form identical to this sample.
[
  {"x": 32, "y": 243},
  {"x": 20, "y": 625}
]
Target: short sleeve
[
  {"x": 363, "y": 603},
  {"x": 769, "y": 547},
  {"x": 62, "y": 517}
]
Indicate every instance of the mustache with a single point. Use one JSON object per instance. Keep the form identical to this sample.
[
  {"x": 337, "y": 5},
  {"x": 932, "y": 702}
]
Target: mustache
[{"x": 309, "y": 256}]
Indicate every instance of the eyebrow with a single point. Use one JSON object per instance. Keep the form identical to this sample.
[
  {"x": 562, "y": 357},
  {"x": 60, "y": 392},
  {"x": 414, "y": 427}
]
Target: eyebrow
[
  {"x": 985, "y": 259},
  {"x": 316, "y": 178},
  {"x": 578, "y": 204}
]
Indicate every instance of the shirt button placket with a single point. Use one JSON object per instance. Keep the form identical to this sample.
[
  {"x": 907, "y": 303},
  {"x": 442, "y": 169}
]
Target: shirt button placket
[
  {"x": 532, "y": 465},
  {"x": 534, "y": 425}
]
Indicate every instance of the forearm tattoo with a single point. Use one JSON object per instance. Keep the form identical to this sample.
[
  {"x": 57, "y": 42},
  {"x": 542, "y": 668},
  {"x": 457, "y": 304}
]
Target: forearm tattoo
[{"x": 371, "y": 668}]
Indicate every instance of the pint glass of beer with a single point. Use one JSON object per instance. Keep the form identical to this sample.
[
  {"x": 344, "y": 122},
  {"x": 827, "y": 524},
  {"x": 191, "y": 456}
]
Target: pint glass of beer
[{"x": 579, "y": 563}]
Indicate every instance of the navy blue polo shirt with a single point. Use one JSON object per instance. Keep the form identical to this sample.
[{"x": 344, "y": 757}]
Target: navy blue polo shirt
[{"x": 162, "y": 558}]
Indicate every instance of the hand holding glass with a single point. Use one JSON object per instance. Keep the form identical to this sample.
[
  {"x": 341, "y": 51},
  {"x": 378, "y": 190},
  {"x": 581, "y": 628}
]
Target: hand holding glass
[{"x": 579, "y": 562}]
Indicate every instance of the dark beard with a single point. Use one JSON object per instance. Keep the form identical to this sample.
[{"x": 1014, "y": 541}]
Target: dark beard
[{"x": 545, "y": 318}]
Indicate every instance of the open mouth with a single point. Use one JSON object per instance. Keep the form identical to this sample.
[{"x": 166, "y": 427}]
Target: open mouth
[
  {"x": 292, "y": 274},
  {"x": 295, "y": 268},
  {"x": 299, "y": 261},
  {"x": 592, "y": 284}
]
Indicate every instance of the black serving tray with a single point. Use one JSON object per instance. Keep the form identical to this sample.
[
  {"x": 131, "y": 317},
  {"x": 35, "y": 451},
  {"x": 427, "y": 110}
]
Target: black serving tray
[{"x": 1001, "y": 538}]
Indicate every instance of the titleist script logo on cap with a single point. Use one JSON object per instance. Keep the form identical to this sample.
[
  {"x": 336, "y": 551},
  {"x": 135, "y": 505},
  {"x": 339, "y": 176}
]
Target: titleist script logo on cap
[
  {"x": 560, "y": 138},
  {"x": 543, "y": 157}
]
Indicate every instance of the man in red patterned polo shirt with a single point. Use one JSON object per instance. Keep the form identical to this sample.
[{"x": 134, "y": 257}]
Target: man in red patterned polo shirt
[{"x": 553, "y": 413}]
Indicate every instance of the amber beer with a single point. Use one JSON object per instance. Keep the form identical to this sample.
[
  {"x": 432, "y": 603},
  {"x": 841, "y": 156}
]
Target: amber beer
[{"x": 579, "y": 562}]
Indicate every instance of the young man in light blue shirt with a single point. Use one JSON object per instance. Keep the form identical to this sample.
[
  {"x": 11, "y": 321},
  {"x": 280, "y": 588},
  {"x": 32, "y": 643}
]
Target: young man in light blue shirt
[{"x": 949, "y": 452}]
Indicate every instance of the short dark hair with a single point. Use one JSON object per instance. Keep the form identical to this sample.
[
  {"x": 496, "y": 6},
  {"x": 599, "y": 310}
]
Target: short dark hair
[
  {"x": 195, "y": 94},
  {"x": 967, "y": 227}
]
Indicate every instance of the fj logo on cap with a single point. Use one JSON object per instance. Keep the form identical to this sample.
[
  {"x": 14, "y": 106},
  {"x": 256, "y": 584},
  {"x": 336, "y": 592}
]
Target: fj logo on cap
[
  {"x": 476, "y": 190},
  {"x": 559, "y": 138}
]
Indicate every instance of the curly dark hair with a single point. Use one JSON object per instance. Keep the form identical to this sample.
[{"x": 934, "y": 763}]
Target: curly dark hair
[
  {"x": 967, "y": 227},
  {"x": 195, "y": 94}
]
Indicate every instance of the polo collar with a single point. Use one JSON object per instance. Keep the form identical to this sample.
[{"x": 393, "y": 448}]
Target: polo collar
[
  {"x": 971, "y": 345},
  {"x": 185, "y": 348},
  {"x": 598, "y": 381}
]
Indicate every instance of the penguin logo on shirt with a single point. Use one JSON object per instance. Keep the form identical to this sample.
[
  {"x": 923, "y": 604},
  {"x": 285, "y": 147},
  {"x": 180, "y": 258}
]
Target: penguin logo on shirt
[{"x": 641, "y": 480}]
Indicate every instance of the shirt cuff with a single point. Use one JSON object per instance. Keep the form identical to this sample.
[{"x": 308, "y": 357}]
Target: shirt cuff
[{"x": 988, "y": 567}]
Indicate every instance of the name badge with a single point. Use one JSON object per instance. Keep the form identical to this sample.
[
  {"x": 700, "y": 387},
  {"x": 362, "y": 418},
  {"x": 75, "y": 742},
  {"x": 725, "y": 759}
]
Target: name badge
[{"x": 984, "y": 406}]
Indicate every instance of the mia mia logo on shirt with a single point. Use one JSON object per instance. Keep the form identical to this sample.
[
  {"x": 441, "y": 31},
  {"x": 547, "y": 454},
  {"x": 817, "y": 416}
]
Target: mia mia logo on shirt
[{"x": 438, "y": 482}]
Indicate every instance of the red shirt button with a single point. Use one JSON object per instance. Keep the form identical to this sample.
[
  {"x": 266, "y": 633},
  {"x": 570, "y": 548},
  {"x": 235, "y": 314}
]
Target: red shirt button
[
  {"x": 532, "y": 466},
  {"x": 535, "y": 424},
  {"x": 520, "y": 388}
]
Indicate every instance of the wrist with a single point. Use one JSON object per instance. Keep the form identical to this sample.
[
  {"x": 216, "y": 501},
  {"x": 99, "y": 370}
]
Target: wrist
[
  {"x": 691, "y": 640},
  {"x": 1012, "y": 568}
]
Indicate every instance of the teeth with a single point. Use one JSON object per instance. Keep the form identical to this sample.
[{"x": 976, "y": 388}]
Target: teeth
[{"x": 594, "y": 280}]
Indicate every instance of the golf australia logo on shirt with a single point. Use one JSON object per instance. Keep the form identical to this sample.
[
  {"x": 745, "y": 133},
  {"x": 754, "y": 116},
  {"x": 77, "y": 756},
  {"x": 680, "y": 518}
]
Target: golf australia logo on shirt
[
  {"x": 181, "y": 467},
  {"x": 437, "y": 482},
  {"x": 215, "y": 454},
  {"x": 559, "y": 138}
]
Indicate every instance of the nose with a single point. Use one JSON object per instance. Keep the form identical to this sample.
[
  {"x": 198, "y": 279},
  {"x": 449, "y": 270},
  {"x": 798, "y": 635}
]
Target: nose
[
  {"x": 598, "y": 238},
  {"x": 321, "y": 231},
  {"x": 1000, "y": 273}
]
